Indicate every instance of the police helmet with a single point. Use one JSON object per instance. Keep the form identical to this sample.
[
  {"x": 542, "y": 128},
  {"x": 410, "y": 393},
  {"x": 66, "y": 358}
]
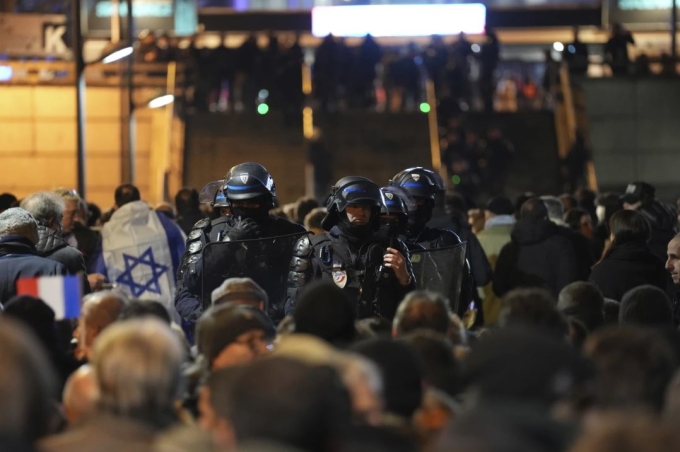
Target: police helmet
[
  {"x": 397, "y": 201},
  {"x": 213, "y": 194},
  {"x": 352, "y": 190},
  {"x": 248, "y": 181},
  {"x": 419, "y": 182}
]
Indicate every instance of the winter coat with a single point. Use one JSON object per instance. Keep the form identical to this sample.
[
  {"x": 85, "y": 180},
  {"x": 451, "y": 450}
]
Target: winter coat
[
  {"x": 53, "y": 245},
  {"x": 629, "y": 265},
  {"x": 663, "y": 219},
  {"x": 19, "y": 259},
  {"x": 537, "y": 256}
]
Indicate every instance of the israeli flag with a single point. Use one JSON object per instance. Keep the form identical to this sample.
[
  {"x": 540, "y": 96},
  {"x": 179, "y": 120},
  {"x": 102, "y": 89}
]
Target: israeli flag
[{"x": 141, "y": 251}]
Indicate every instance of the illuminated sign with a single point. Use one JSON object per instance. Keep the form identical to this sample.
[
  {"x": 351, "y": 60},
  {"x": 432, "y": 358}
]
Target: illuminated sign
[
  {"x": 5, "y": 73},
  {"x": 177, "y": 17},
  {"x": 643, "y": 13},
  {"x": 146, "y": 9},
  {"x": 398, "y": 20}
]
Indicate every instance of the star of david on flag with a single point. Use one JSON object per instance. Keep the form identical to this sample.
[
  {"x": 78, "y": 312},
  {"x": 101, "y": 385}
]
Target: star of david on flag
[{"x": 152, "y": 284}]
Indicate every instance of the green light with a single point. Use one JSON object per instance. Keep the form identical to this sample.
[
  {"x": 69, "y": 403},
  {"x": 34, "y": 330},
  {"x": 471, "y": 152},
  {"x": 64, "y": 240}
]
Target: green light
[
  {"x": 263, "y": 109},
  {"x": 455, "y": 179},
  {"x": 425, "y": 107}
]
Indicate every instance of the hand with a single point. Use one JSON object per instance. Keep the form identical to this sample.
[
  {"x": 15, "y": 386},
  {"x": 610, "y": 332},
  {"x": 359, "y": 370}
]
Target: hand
[
  {"x": 96, "y": 281},
  {"x": 244, "y": 229},
  {"x": 397, "y": 262}
]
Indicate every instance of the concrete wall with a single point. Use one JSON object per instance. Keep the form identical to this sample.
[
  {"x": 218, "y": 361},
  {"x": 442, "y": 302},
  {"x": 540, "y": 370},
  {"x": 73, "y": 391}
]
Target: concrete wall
[
  {"x": 38, "y": 142},
  {"x": 635, "y": 132}
]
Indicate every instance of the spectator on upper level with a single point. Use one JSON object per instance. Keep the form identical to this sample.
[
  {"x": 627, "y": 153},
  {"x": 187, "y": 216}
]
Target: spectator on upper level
[{"x": 616, "y": 50}]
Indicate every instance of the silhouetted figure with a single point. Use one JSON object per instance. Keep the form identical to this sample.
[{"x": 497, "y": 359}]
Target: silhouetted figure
[
  {"x": 616, "y": 50},
  {"x": 324, "y": 71},
  {"x": 370, "y": 55},
  {"x": 489, "y": 57},
  {"x": 576, "y": 55}
]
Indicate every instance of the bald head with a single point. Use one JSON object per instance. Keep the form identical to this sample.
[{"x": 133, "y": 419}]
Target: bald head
[
  {"x": 80, "y": 394},
  {"x": 99, "y": 310}
]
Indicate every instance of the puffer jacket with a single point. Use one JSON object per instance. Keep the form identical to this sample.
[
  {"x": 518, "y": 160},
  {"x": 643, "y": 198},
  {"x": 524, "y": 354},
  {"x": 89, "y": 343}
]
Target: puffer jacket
[{"x": 52, "y": 245}]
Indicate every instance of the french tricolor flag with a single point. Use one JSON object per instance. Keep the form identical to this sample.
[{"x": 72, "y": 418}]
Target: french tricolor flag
[{"x": 61, "y": 293}]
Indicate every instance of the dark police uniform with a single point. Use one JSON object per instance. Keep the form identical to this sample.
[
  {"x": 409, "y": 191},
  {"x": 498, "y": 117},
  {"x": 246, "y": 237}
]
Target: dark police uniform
[
  {"x": 248, "y": 181},
  {"x": 351, "y": 256}
]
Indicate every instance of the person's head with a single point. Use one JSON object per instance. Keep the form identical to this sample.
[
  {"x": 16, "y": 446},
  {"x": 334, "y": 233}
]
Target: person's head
[
  {"x": 36, "y": 315},
  {"x": 98, "y": 311},
  {"x": 313, "y": 219},
  {"x": 363, "y": 380},
  {"x": 137, "y": 309},
  {"x": 402, "y": 373},
  {"x": 250, "y": 191},
  {"x": 422, "y": 310},
  {"x": 186, "y": 200},
  {"x": 499, "y": 205},
  {"x": 521, "y": 199},
  {"x": 673, "y": 261},
  {"x": 47, "y": 209},
  {"x": 533, "y": 209},
  {"x": 568, "y": 201},
  {"x": 137, "y": 364},
  {"x": 290, "y": 403},
  {"x": 638, "y": 194},
  {"x": 7, "y": 200},
  {"x": 229, "y": 335},
  {"x": 27, "y": 384},
  {"x": 126, "y": 194},
  {"x": 633, "y": 365},
  {"x": 303, "y": 206},
  {"x": 646, "y": 306},
  {"x": 629, "y": 226},
  {"x": 425, "y": 186},
  {"x": 523, "y": 364},
  {"x": 75, "y": 209},
  {"x": 80, "y": 395},
  {"x": 579, "y": 220},
  {"x": 441, "y": 369},
  {"x": 324, "y": 310},
  {"x": 17, "y": 221},
  {"x": 555, "y": 208},
  {"x": 354, "y": 205},
  {"x": 612, "y": 308},
  {"x": 584, "y": 302},
  {"x": 534, "y": 308},
  {"x": 241, "y": 291}
]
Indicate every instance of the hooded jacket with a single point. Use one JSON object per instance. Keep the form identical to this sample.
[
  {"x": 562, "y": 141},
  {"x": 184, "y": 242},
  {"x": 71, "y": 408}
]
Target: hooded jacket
[
  {"x": 537, "y": 256},
  {"x": 19, "y": 259},
  {"x": 53, "y": 245},
  {"x": 629, "y": 265}
]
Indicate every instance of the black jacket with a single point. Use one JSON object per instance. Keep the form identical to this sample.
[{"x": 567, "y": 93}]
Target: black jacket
[
  {"x": 629, "y": 265},
  {"x": 584, "y": 252},
  {"x": 663, "y": 219},
  {"x": 537, "y": 256},
  {"x": 19, "y": 259},
  {"x": 53, "y": 246}
]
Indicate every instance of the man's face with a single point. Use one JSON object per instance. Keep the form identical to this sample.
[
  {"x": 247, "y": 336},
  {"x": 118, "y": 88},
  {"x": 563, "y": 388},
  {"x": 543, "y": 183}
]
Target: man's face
[
  {"x": 586, "y": 227},
  {"x": 85, "y": 335},
  {"x": 673, "y": 262},
  {"x": 358, "y": 214},
  {"x": 70, "y": 215}
]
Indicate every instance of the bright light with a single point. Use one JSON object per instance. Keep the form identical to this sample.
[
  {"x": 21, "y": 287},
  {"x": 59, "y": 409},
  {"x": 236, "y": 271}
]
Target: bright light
[
  {"x": 398, "y": 20},
  {"x": 558, "y": 46},
  {"x": 263, "y": 94},
  {"x": 5, "y": 73},
  {"x": 161, "y": 101},
  {"x": 425, "y": 107},
  {"x": 455, "y": 179},
  {"x": 263, "y": 109},
  {"x": 475, "y": 48},
  {"x": 117, "y": 55}
]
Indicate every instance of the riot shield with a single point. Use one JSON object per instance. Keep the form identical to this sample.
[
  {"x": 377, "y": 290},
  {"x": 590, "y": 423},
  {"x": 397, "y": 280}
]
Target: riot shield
[
  {"x": 263, "y": 260},
  {"x": 440, "y": 270}
]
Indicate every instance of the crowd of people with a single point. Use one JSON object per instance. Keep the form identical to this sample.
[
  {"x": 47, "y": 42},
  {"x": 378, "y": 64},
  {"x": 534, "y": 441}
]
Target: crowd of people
[{"x": 391, "y": 318}]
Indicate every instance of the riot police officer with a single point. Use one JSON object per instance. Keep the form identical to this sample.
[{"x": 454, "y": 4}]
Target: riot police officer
[
  {"x": 423, "y": 185},
  {"x": 248, "y": 190},
  {"x": 375, "y": 275}
]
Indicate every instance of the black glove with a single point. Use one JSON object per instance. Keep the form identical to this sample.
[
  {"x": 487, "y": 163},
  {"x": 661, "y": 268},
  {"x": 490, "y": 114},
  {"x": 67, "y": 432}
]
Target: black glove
[{"x": 244, "y": 229}]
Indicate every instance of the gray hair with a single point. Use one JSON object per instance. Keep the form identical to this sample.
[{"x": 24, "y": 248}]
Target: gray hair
[
  {"x": 44, "y": 206},
  {"x": 17, "y": 221},
  {"x": 555, "y": 208},
  {"x": 137, "y": 365}
]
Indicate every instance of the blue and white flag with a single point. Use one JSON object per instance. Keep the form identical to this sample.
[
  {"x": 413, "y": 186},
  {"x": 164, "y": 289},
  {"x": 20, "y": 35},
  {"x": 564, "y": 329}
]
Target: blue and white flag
[{"x": 141, "y": 252}]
